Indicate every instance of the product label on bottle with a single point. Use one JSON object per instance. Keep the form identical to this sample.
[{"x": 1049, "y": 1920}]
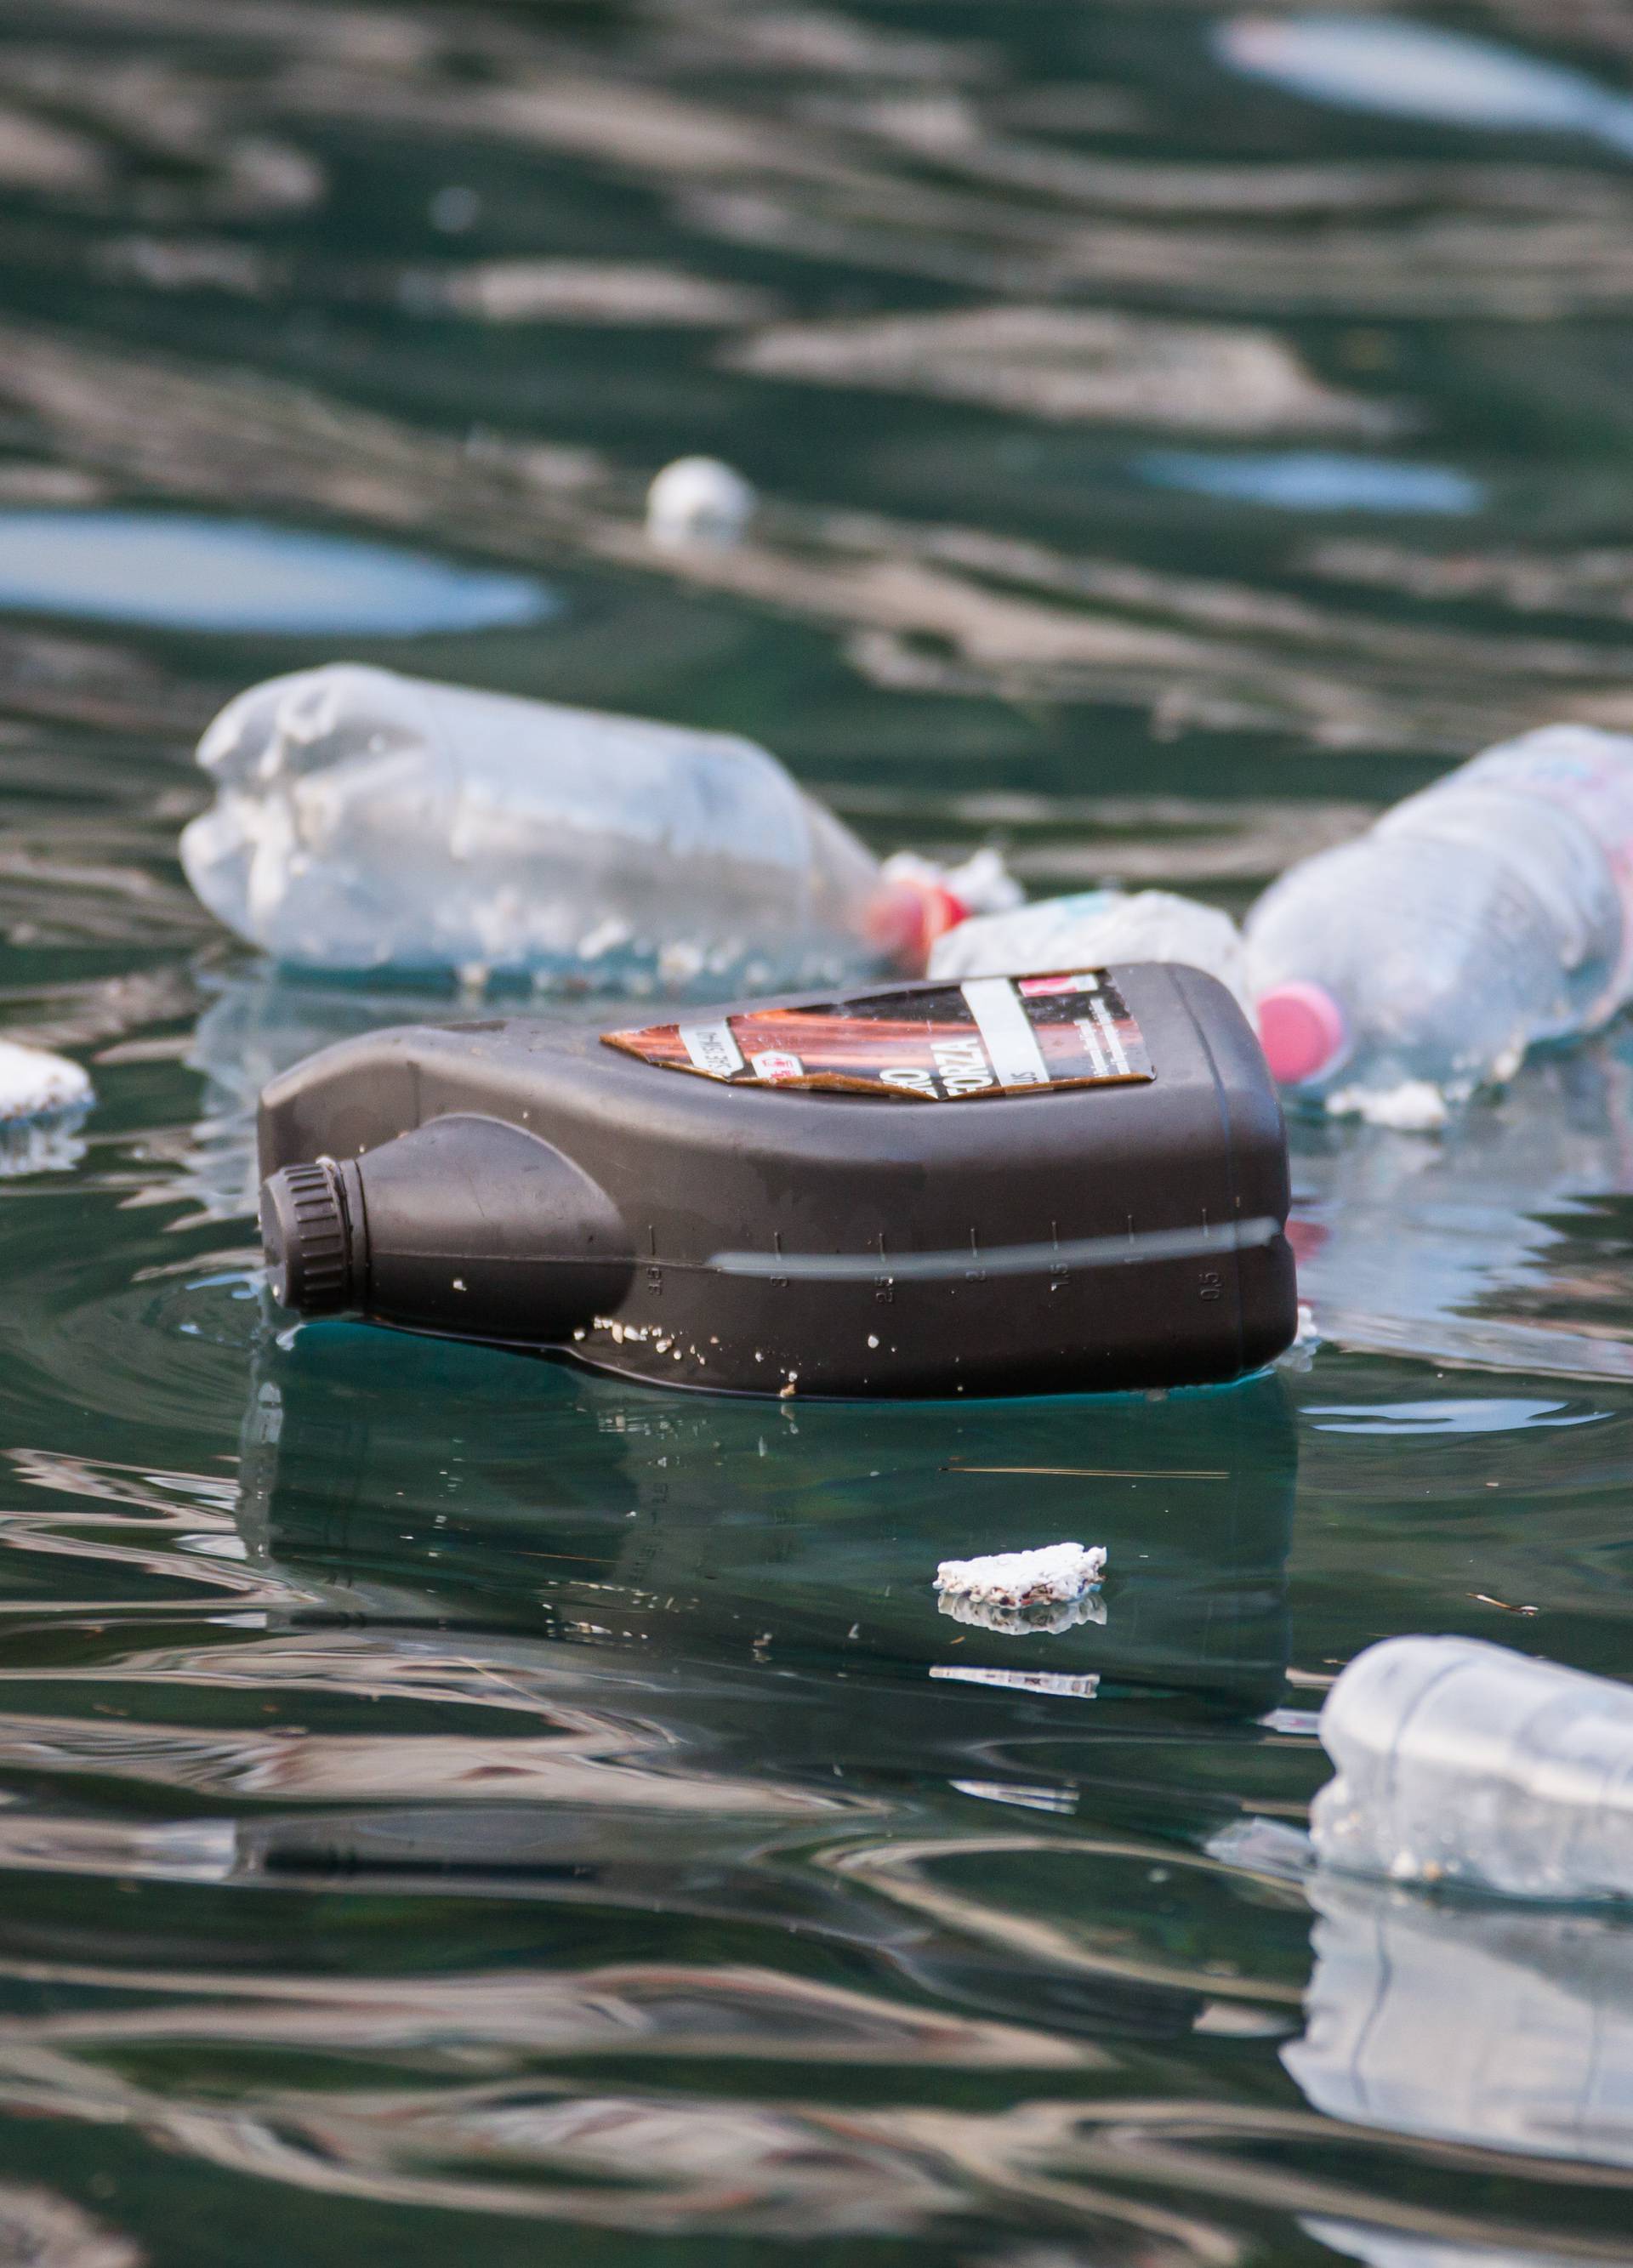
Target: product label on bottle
[{"x": 949, "y": 1043}]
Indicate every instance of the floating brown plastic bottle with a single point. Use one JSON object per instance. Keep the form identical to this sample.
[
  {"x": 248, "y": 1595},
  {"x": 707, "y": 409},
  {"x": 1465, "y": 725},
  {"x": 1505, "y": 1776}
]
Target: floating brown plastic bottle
[{"x": 1045, "y": 1184}]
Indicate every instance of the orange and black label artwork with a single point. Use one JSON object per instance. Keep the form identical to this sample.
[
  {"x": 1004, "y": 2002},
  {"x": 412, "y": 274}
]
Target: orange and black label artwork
[{"x": 988, "y": 1036}]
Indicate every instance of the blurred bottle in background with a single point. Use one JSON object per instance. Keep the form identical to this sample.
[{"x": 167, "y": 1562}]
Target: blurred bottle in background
[
  {"x": 368, "y": 822},
  {"x": 1090, "y": 928},
  {"x": 1492, "y": 911},
  {"x": 1461, "y": 1763}
]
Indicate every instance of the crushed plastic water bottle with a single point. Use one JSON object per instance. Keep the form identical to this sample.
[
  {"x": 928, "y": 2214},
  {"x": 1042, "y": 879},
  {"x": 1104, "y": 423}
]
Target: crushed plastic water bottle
[
  {"x": 1462, "y": 1762},
  {"x": 1395, "y": 974},
  {"x": 1089, "y": 928},
  {"x": 365, "y": 820}
]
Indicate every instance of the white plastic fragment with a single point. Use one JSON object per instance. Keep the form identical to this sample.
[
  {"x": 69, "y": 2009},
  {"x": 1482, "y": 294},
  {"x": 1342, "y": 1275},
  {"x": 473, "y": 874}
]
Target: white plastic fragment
[
  {"x": 699, "y": 500},
  {"x": 35, "y": 1084},
  {"x": 982, "y": 884},
  {"x": 1090, "y": 928},
  {"x": 1056, "y": 1574},
  {"x": 1416, "y": 1106}
]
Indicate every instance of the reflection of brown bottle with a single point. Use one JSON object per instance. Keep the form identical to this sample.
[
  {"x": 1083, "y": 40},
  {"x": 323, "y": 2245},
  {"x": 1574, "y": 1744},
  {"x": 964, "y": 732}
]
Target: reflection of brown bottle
[
  {"x": 413, "y": 1478},
  {"x": 1045, "y": 1184}
]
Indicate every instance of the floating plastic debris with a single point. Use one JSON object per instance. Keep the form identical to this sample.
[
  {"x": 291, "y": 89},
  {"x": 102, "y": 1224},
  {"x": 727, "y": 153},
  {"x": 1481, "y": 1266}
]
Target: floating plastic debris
[
  {"x": 982, "y": 885},
  {"x": 1416, "y": 1106},
  {"x": 1052, "y": 1575},
  {"x": 1395, "y": 974},
  {"x": 485, "y": 1145},
  {"x": 1457, "y": 1761},
  {"x": 699, "y": 500},
  {"x": 179, "y": 570},
  {"x": 36, "y": 1085},
  {"x": 1092, "y": 928},
  {"x": 365, "y": 820}
]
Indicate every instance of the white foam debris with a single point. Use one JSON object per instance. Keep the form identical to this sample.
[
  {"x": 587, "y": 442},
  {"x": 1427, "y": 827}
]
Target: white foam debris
[
  {"x": 1053, "y": 1575},
  {"x": 35, "y": 1084},
  {"x": 699, "y": 500},
  {"x": 1417, "y": 1106}
]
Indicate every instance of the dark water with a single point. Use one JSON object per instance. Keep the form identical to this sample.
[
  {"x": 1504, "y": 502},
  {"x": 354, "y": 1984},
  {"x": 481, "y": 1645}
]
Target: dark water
[{"x": 453, "y": 1810}]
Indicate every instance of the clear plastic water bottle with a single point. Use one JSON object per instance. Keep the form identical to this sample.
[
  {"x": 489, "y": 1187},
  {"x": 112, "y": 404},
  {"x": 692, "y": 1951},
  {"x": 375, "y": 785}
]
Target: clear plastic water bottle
[
  {"x": 1493, "y": 910},
  {"x": 365, "y": 820},
  {"x": 1461, "y": 1763}
]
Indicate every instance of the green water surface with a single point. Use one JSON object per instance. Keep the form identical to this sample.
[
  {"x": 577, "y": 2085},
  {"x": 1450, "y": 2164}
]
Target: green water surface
[{"x": 454, "y": 1808}]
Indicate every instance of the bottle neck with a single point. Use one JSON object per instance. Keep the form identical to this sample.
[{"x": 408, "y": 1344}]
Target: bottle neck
[{"x": 905, "y": 917}]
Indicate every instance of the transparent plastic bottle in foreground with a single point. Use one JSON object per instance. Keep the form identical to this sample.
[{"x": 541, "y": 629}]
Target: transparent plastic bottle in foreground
[
  {"x": 1461, "y": 1763},
  {"x": 366, "y": 820},
  {"x": 1492, "y": 911}
]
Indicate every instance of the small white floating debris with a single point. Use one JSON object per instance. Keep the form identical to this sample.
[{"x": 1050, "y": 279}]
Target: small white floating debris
[
  {"x": 1056, "y": 1574},
  {"x": 699, "y": 500},
  {"x": 35, "y": 1084},
  {"x": 1417, "y": 1106}
]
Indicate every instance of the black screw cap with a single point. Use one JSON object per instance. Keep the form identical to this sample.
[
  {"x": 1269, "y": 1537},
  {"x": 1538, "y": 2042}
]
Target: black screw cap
[{"x": 308, "y": 1239}]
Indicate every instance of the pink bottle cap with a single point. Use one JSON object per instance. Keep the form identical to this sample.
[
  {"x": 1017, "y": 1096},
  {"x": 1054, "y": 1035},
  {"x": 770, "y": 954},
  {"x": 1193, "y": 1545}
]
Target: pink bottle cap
[{"x": 1302, "y": 1031}]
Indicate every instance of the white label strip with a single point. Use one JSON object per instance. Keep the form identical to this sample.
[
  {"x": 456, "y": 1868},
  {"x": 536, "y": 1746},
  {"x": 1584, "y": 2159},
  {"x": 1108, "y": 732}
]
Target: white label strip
[
  {"x": 712, "y": 1049},
  {"x": 1089, "y": 1033},
  {"x": 1006, "y": 1032},
  {"x": 1102, "y": 1015}
]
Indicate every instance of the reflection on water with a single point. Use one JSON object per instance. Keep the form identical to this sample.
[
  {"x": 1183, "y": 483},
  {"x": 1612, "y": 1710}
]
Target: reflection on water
[
  {"x": 830, "y": 1548},
  {"x": 1481, "y": 2023},
  {"x": 1311, "y": 480},
  {"x": 1503, "y": 1242},
  {"x": 447, "y": 1800},
  {"x": 179, "y": 571},
  {"x": 1414, "y": 70}
]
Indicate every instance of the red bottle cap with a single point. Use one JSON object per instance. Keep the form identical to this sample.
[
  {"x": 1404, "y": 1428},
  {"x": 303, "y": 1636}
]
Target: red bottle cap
[
  {"x": 1302, "y": 1031},
  {"x": 907, "y": 917}
]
